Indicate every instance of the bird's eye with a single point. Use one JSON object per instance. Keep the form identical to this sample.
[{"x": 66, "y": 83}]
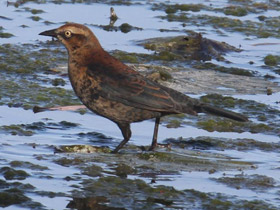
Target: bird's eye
[{"x": 68, "y": 34}]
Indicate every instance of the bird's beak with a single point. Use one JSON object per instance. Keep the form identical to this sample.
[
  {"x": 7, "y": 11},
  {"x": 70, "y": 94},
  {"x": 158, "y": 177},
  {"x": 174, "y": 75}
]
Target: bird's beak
[{"x": 52, "y": 33}]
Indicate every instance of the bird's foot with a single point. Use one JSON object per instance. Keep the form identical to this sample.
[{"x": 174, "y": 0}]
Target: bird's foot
[
  {"x": 152, "y": 147},
  {"x": 115, "y": 151}
]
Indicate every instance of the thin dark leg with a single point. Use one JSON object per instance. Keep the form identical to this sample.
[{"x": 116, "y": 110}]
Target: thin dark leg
[
  {"x": 154, "y": 142},
  {"x": 126, "y": 132}
]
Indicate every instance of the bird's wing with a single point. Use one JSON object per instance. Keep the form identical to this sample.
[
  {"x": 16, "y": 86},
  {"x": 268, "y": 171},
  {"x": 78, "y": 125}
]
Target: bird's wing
[{"x": 120, "y": 83}]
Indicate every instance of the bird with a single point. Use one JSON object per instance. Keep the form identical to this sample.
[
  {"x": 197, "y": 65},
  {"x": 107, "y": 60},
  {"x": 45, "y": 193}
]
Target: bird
[
  {"x": 112, "y": 89},
  {"x": 113, "y": 15}
]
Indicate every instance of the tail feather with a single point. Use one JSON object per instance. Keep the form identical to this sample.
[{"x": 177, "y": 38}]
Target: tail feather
[{"x": 223, "y": 113}]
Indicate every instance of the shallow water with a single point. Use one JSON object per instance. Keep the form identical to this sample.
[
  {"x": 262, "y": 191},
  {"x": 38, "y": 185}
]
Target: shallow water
[{"x": 60, "y": 182}]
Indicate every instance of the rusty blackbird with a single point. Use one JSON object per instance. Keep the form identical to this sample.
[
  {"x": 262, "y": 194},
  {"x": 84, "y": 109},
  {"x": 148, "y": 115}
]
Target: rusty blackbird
[{"x": 114, "y": 90}]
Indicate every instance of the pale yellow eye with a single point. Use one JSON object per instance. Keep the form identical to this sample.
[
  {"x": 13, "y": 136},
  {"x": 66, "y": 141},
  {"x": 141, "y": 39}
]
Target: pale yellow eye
[{"x": 68, "y": 34}]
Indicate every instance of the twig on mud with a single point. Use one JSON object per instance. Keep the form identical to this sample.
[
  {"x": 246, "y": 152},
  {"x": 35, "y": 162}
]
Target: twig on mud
[{"x": 37, "y": 109}]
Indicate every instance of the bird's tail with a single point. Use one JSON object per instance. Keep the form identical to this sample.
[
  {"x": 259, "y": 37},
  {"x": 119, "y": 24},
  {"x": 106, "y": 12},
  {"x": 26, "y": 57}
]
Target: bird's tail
[{"x": 223, "y": 113}]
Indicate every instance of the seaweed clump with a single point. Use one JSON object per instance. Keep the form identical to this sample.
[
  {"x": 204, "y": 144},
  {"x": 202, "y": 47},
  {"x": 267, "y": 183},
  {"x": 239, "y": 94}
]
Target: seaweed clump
[{"x": 192, "y": 47}]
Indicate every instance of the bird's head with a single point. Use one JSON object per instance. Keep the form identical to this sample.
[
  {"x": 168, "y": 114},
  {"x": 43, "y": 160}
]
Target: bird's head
[{"x": 74, "y": 36}]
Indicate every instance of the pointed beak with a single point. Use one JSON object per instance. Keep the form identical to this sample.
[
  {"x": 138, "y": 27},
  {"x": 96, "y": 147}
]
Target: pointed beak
[{"x": 52, "y": 33}]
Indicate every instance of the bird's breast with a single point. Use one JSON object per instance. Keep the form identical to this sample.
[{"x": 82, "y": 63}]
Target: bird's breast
[{"x": 86, "y": 87}]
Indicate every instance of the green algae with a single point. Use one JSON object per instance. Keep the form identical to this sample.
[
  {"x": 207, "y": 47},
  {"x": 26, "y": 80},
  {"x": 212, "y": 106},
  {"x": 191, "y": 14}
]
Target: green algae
[
  {"x": 164, "y": 56},
  {"x": 124, "y": 28},
  {"x": 180, "y": 7},
  {"x": 225, "y": 125},
  {"x": 194, "y": 161},
  {"x": 17, "y": 130},
  {"x": 114, "y": 193},
  {"x": 268, "y": 28},
  {"x": 268, "y": 125},
  {"x": 271, "y": 60},
  {"x": 65, "y": 124},
  {"x": 25, "y": 164},
  {"x": 220, "y": 125},
  {"x": 58, "y": 82},
  {"x": 92, "y": 171},
  {"x": 126, "y": 57},
  {"x": 218, "y": 201},
  {"x": 122, "y": 170},
  {"x": 117, "y": 190},
  {"x": 35, "y": 18},
  {"x": 30, "y": 96},
  {"x": 12, "y": 197},
  {"x": 247, "y": 27},
  {"x": 250, "y": 106},
  {"x": 66, "y": 162},
  {"x": 173, "y": 123},
  {"x": 34, "y": 11},
  {"x": 50, "y": 194},
  {"x": 176, "y": 8},
  {"x": 223, "y": 69},
  {"x": 30, "y": 58},
  {"x": 236, "y": 11},
  {"x": 95, "y": 136},
  {"x": 236, "y": 8},
  {"x": 14, "y": 193},
  {"x": 5, "y": 34},
  {"x": 8, "y": 184},
  {"x": 191, "y": 47},
  {"x": 253, "y": 182},
  {"x": 31, "y": 129},
  {"x": 11, "y": 174},
  {"x": 211, "y": 143}
]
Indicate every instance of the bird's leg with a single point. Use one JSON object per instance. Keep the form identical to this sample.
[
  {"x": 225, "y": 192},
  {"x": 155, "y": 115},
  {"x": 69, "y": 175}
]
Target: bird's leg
[
  {"x": 154, "y": 142},
  {"x": 126, "y": 132}
]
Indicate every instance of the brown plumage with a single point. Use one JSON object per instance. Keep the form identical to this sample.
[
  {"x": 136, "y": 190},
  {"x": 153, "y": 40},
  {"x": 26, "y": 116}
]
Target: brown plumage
[{"x": 113, "y": 90}]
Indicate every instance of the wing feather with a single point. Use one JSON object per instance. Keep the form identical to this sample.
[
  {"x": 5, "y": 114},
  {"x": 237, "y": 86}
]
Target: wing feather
[{"x": 121, "y": 83}]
